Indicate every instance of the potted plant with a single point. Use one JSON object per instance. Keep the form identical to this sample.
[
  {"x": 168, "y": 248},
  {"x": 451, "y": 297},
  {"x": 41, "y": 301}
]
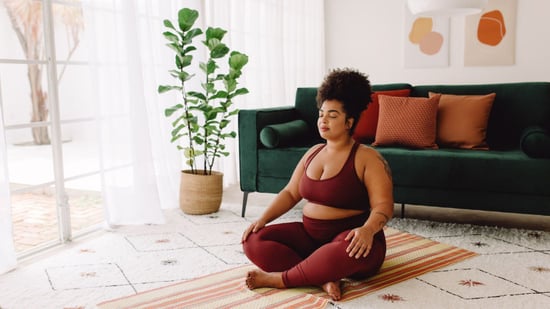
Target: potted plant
[{"x": 200, "y": 121}]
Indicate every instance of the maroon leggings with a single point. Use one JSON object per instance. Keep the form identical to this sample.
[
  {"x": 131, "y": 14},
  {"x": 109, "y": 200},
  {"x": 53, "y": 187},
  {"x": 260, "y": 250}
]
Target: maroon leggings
[{"x": 313, "y": 252}]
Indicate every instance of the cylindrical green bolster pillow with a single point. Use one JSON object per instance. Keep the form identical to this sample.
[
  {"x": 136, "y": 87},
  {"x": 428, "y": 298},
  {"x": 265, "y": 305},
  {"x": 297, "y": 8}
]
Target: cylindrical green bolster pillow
[
  {"x": 284, "y": 134},
  {"x": 535, "y": 142}
]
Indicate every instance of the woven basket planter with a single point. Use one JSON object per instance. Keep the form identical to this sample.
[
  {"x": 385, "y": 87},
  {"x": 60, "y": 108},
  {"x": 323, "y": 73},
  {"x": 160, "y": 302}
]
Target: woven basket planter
[{"x": 200, "y": 194}]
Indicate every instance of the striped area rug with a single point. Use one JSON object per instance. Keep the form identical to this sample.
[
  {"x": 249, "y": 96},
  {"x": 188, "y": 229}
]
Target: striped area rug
[{"x": 408, "y": 256}]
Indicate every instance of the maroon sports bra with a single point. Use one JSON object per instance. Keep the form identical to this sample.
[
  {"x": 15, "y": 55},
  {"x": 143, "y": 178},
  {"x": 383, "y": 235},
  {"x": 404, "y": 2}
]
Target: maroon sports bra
[{"x": 344, "y": 190}]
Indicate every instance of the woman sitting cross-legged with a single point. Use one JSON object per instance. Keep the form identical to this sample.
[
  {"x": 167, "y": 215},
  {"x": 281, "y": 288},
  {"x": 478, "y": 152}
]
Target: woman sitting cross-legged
[{"x": 349, "y": 193}]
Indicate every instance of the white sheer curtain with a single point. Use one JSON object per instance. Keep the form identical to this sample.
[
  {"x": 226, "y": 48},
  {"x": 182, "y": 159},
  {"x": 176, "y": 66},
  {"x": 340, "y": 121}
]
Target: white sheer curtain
[
  {"x": 284, "y": 40},
  {"x": 128, "y": 59},
  {"x": 140, "y": 167},
  {"x": 285, "y": 44}
]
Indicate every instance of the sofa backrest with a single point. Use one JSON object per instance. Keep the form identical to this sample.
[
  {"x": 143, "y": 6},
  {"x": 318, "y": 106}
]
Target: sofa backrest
[
  {"x": 516, "y": 107},
  {"x": 306, "y": 104}
]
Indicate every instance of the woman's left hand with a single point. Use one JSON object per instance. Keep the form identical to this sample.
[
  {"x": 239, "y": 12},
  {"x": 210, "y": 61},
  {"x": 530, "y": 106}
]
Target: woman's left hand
[{"x": 361, "y": 242}]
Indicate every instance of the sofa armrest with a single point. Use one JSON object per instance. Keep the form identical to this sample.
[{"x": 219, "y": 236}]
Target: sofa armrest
[{"x": 251, "y": 122}]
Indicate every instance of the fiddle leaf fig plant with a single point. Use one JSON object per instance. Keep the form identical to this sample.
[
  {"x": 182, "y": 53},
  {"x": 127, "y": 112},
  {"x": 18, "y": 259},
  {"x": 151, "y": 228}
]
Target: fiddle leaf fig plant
[{"x": 200, "y": 121}]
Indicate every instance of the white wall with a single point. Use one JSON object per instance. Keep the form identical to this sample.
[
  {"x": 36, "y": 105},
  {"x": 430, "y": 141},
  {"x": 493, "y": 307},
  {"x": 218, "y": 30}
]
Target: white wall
[{"x": 369, "y": 35}]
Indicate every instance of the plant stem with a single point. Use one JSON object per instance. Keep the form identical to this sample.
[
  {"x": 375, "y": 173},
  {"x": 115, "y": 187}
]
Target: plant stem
[{"x": 188, "y": 124}]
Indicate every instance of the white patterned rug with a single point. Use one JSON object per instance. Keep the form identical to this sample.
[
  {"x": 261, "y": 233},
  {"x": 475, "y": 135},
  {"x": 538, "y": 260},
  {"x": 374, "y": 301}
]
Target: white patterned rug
[{"x": 511, "y": 269}]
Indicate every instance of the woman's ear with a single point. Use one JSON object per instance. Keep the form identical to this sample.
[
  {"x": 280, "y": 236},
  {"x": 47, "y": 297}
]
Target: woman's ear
[{"x": 349, "y": 122}]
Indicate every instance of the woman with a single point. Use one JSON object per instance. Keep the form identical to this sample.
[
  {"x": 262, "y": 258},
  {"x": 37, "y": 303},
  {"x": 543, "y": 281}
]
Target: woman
[{"x": 348, "y": 189}]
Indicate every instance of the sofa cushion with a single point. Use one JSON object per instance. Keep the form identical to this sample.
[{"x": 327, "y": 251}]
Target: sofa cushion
[
  {"x": 284, "y": 134},
  {"x": 516, "y": 106},
  {"x": 462, "y": 120},
  {"x": 535, "y": 142},
  {"x": 407, "y": 122},
  {"x": 459, "y": 169},
  {"x": 365, "y": 131}
]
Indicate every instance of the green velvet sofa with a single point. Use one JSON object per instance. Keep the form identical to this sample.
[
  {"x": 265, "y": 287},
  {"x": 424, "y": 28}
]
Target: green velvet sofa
[{"x": 512, "y": 176}]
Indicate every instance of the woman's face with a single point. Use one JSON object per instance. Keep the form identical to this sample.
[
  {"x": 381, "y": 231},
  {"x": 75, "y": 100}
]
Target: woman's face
[{"x": 333, "y": 121}]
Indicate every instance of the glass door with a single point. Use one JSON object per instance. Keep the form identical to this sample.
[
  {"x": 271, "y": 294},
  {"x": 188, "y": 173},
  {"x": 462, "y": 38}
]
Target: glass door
[{"x": 49, "y": 123}]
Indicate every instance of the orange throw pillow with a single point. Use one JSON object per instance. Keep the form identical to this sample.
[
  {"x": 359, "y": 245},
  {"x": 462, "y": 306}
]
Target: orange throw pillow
[
  {"x": 365, "y": 131},
  {"x": 407, "y": 121},
  {"x": 462, "y": 120}
]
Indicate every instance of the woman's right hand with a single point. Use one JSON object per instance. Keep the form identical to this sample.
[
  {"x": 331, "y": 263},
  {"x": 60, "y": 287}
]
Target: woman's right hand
[{"x": 253, "y": 228}]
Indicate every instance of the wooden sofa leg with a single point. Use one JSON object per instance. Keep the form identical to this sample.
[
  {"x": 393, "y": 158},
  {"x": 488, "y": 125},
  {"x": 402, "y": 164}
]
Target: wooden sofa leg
[
  {"x": 402, "y": 210},
  {"x": 245, "y": 199}
]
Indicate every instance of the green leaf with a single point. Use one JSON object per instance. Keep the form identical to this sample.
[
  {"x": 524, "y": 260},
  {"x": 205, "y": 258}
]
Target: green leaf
[
  {"x": 189, "y": 49},
  {"x": 175, "y": 47},
  {"x": 186, "y": 60},
  {"x": 176, "y": 137},
  {"x": 176, "y": 130},
  {"x": 169, "y": 111},
  {"x": 170, "y": 36},
  {"x": 224, "y": 123},
  {"x": 168, "y": 24},
  {"x": 186, "y": 18},
  {"x": 239, "y": 91},
  {"x": 183, "y": 76},
  {"x": 215, "y": 33},
  {"x": 197, "y": 95},
  {"x": 198, "y": 140},
  {"x": 219, "y": 95},
  {"x": 165, "y": 88},
  {"x": 175, "y": 73},
  {"x": 178, "y": 120},
  {"x": 237, "y": 60},
  {"x": 189, "y": 152},
  {"x": 190, "y": 35},
  {"x": 208, "y": 87},
  {"x": 211, "y": 67},
  {"x": 202, "y": 66},
  {"x": 230, "y": 85},
  {"x": 219, "y": 51}
]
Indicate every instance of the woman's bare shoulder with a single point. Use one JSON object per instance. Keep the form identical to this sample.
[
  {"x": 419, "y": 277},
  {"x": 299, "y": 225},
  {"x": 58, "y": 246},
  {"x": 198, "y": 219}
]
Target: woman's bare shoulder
[
  {"x": 313, "y": 148},
  {"x": 373, "y": 159},
  {"x": 367, "y": 151}
]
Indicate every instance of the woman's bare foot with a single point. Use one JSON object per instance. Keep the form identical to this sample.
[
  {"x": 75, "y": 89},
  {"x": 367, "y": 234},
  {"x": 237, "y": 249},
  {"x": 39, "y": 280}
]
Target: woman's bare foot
[
  {"x": 261, "y": 279},
  {"x": 333, "y": 290}
]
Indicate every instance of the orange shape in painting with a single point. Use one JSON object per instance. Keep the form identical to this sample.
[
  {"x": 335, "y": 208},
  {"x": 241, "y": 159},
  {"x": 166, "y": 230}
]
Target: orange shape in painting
[
  {"x": 420, "y": 28},
  {"x": 431, "y": 43},
  {"x": 491, "y": 29}
]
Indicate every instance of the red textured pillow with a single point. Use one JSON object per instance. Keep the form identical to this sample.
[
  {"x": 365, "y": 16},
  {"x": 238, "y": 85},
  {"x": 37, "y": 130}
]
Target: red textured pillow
[
  {"x": 365, "y": 131},
  {"x": 407, "y": 121}
]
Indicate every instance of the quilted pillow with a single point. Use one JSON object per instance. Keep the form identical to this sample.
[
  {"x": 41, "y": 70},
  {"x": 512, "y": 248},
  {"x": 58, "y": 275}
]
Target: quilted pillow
[
  {"x": 407, "y": 121},
  {"x": 462, "y": 120},
  {"x": 365, "y": 131},
  {"x": 284, "y": 134}
]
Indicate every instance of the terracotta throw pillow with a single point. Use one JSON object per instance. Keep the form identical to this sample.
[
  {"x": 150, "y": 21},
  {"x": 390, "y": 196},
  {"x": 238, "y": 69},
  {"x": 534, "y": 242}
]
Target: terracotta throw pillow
[
  {"x": 407, "y": 122},
  {"x": 462, "y": 120},
  {"x": 365, "y": 131}
]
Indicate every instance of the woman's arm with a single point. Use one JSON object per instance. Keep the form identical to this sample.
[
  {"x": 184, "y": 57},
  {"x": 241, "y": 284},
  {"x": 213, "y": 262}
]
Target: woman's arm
[
  {"x": 285, "y": 200},
  {"x": 378, "y": 181}
]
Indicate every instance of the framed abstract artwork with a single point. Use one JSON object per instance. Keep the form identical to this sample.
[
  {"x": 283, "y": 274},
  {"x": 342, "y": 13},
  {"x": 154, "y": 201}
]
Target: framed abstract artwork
[
  {"x": 426, "y": 41},
  {"x": 490, "y": 36}
]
